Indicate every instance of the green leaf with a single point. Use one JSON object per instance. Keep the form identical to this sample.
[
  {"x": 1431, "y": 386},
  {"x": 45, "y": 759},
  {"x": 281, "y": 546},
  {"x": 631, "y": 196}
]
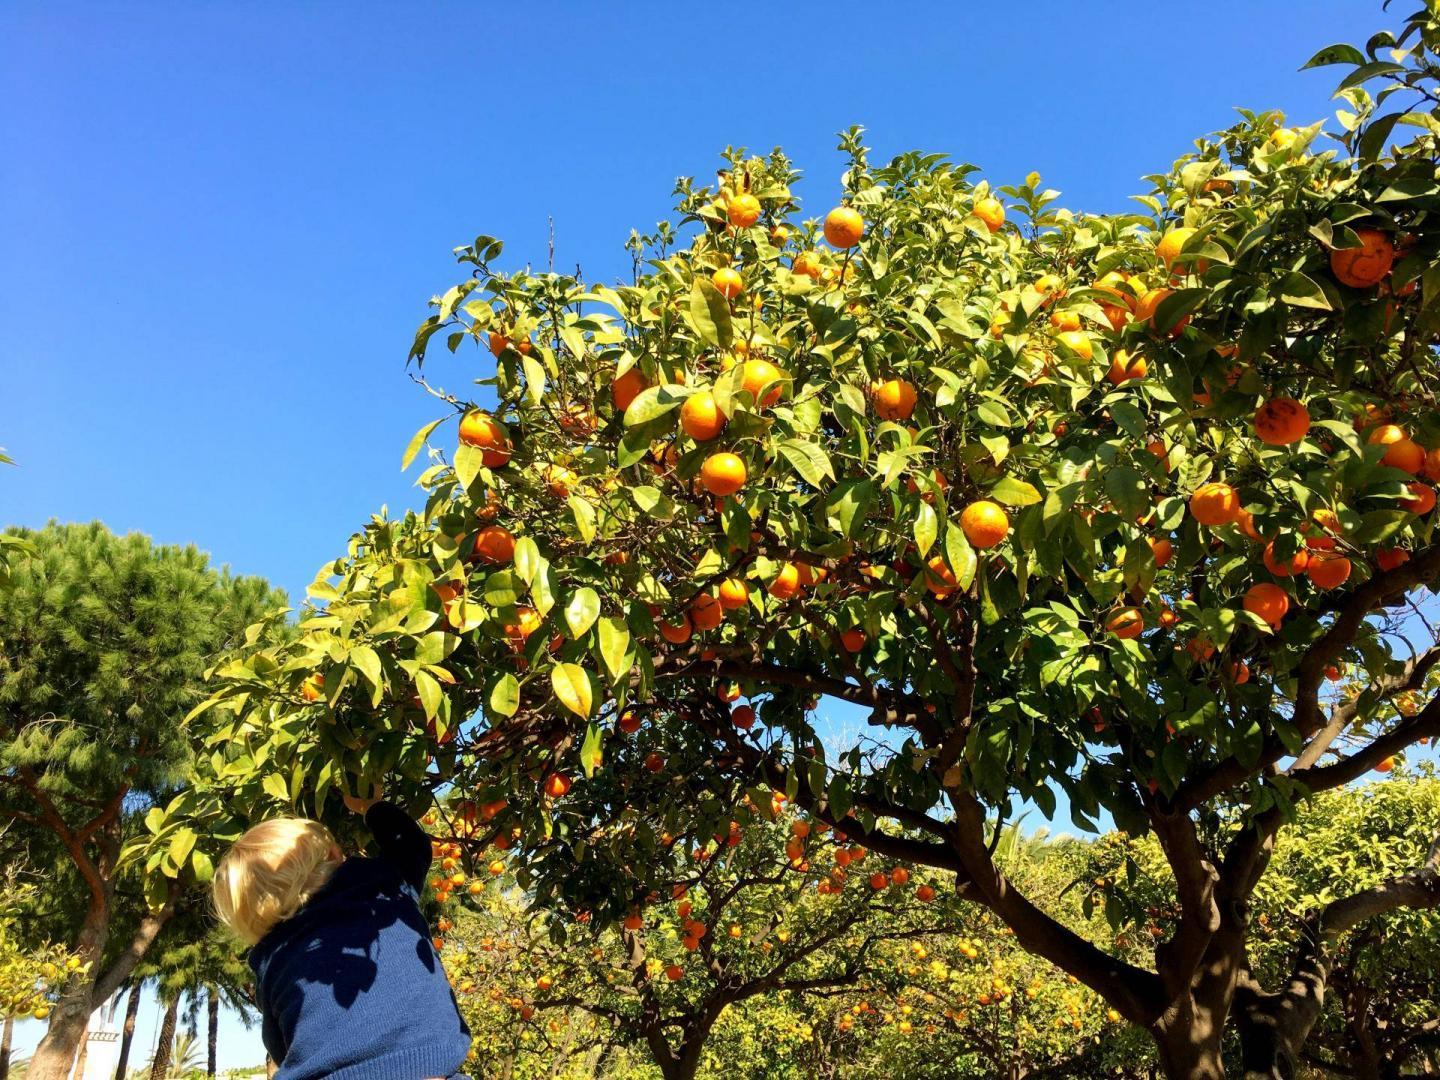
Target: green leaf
[
  {"x": 183, "y": 842},
  {"x": 615, "y": 647},
  {"x": 202, "y": 866},
  {"x": 430, "y": 693},
  {"x": 1336, "y": 54},
  {"x": 1128, "y": 489},
  {"x": 927, "y": 527},
  {"x": 534, "y": 380},
  {"x": 584, "y": 515},
  {"x": 654, "y": 402},
  {"x": 527, "y": 559},
  {"x": 807, "y": 459},
  {"x": 591, "y": 754},
  {"x": 367, "y": 661},
  {"x": 571, "y": 684},
  {"x": 505, "y": 696},
  {"x": 1013, "y": 492},
  {"x": 581, "y": 612},
  {"x": 710, "y": 315},
  {"x": 417, "y": 442},
  {"x": 1300, "y": 291},
  {"x": 469, "y": 460},
  {"x": 274, "y": 785},
  {"x": 960, "y": 555}
]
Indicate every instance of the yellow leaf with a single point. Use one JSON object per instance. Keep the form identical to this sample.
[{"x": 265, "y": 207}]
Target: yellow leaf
[{"x": 572, "y": 688}]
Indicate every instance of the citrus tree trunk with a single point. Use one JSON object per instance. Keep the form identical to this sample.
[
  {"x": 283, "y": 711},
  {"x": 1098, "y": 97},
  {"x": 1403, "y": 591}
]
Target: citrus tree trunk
[
  {"x": 166, "y": 1046},
  {"x": 127, "y": 1033},
  {"x": 212, "y": 1004},
  {"x": 5, "y": 1037},
  {"x": 79, "y": 1071},
  {"x": 270, "y": 1067}
]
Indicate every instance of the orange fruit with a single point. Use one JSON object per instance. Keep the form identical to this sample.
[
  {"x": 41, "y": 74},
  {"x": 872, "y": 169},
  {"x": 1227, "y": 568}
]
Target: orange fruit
[
  {"x": 498, "y": 343},
  {"x": 706, "y": 612},
  {"x": 1401, "y": 451},
  {"x": 939, "y": 579},
  {"x": 495, "y": 544},
  {"x": 654, "y": 761},
  {"x": 1170, "y": 246},
  {"x": 984, "y": 524},
  {"x": 633, "y": 922},
  {"x": 723, "y": 473},
  {"x": 677, "y": 632},
  {"x": 786, "y": 583},
  {"x": 1295, "y": 564},
  {"x": 1162, "y": 549},
  {"x": 806, "y": 263},
  {"x": 925, "y": 894},
  {"x": 990, "y": 212},
  {"x": 1168, "y": 618},
  {"x": 1327, "y": 569},
  {"x": 843, "y": 227},
  {"x": 1432, "y": 464},
  {"x": 895, "y": 400},
  {"x": 1390, "y": 558},
  {"x": 1065, "y": 320},
  {"x": 755, "y": 375},
  {"x": 674, "y": 972},
  {"x": 1126, "y": 623},
  {"x": 742, "y": 211},
  {"x": 313, "y": 688},
  {"x": 1268, "y": 601},
  {"x": 1200, "y": 649},
  {"x": 629, "y": 722},
  {"x": 1385, "y": 764},
  {"x": 1215, "y": 503},
  {"x": 853, "y": 640},
  {"x": 627, "y": 388},
  {"x": 743, "y": 717},
  {"x": 1239, "y": 672},
  {"x": 879, "y": 881},
  {"x": 1421, "y": 499},
  {"x": 1077, "y": 342},
  {"x": 484, "y": 431},
  {"x": 1123, "y": 367},
  {"x": 1366, "y": 265},
  {"x": 528, "y": 622},
  {"x": 1146, "y": 307},
  {"x": 700, "y": 417},
  {"x": 728, "y": 282},
  {"x": 1281, "y": 421},
  {"x": 1328, "y": 526},
  {"x": 1333, "y": 673},
  {"x": 557, "y": 785},
  {"x": 734, "y": 594}
]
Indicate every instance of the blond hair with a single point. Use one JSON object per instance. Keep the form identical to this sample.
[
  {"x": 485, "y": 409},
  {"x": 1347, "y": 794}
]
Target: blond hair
[{"x": 270, "y": 872}]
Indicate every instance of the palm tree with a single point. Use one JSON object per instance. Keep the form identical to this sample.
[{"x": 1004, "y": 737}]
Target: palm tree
[{"x": 179, "y": 1057}]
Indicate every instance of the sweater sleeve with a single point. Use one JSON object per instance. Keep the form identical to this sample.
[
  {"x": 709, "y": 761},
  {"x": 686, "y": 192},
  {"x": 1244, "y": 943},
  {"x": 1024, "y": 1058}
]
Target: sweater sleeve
[
  {"x": 274, "y": 1041},
  {"x": 401, "y": 842}
]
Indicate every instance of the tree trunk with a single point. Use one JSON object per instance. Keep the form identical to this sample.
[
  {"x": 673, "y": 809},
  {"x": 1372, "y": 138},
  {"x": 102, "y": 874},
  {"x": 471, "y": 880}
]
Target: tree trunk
[
  {"x": 166, "y": 1046},
  {"x": 1190, "y": 1049},
  {"x": 6, "y": 1035},
  {"x": 270, "y": 1067},
  {"x": 79, "y": 1071},
  {"x": 127, "y": 1033},
  {"x": 212, "y": 1004},
  {"x": 68, "y": 1023}
]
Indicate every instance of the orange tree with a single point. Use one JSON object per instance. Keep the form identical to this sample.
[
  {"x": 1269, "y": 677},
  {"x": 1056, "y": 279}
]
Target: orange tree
[
  {"x": 1066, "y": 502},
  {"x": 772, "y": 903}
]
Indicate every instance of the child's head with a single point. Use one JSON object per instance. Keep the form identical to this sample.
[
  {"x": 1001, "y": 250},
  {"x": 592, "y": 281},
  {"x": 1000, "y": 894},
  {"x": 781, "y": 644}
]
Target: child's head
[{"x": 270, "y": 872}]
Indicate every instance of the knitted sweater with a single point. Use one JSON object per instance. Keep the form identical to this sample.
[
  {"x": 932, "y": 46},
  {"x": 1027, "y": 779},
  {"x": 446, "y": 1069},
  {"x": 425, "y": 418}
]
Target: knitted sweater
[{"x": 350, "y": 987}]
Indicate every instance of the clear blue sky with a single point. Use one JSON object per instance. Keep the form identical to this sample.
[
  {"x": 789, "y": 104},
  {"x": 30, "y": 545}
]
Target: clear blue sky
[{"x": 219, "y": 223}]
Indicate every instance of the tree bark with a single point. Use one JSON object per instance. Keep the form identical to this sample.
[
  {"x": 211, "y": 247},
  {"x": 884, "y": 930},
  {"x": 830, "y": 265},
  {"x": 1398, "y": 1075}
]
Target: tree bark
[
  {"x": 127, "y": 1033},
  {"x": 166, "y": 1046},
  {"x": 6, "y": 1035},
  {"x": 78, "y": 1073},
  {"x": 270, "y": 1067},
  {"x": 212, "y": 1004}
]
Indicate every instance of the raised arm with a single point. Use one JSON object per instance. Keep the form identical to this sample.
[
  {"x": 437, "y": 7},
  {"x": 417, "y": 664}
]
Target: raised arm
[{"x": 400, "y": 842}]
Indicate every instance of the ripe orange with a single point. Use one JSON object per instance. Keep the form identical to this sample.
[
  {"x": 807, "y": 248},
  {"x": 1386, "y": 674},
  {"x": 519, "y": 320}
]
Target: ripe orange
[
  {"x": 557, "y": 785},
  {"x": 1077, "y": 342},
  {"x": 484, "y": 431},
  {"x": 654, "y": 761},
  {"x": 700, "y": 417},
  {"x": 1268, "y": 601},
  {"x": 528, "y": 621},
  {"x": 674, "y": 972},
  {"x": 1366, "y": 265},
  {"x": 1065, "y": 320},
  {"x": 728, "y": 281},
  {"x": 1168, "y": 618},
  {"x": 743, "y": 717},
  {"x": 1401, "y": 451},
  {"x": 1171, "y": 244},
  {"x": 1281, "y": 421},
  {"x": 895, "y": 400},
  {"x": 706, "y": 612},
  {"x": 313, "y": 688},
  {"x": 723, "y": 474},
  {"x": 939, "y": 578},
  {"x": 1215, "y": 503},
  {"x": 1421, "y": 499},
  {"x": 853, "y": 640},
  {"x": 495, "y": 544},
  {"x": 1239, "y": 671},
  {"x": 806, "y": 263},
  {"x": 1124, "y": 367},
  {"x": 990, "y": 212},
  {"x": 843, "y": 227},
  {"x": 1146, "y": 307},
  {"x": 742, "y": 211},
  {"x": 1325, "y": 526},
  {"x": 879, "y": 881},
  {"x": 1385, "y": 764},
  {"x": 1295, "y": 564},
  {"x": 627, "y": 388},
  {"x": 755, "y": 375},
  {"x": 925, "y": 894},
  {"x": 634, "y": 921},
  {"x": 734, "y": 594},
  {"x": 629, "y": 722},
  {"x": 1201, "y": 648},
  {"x": 1126, "y": 623},
  {"x": 1327, "y": 569},
  {"x": 676, "y": 632},
  {"x": 1333, "y": 673},
  {"x": 1162, "y": 549},
  {"x": 984, "y": 524},
  {"x": 1390, "y": 558},
  {"x": 786, "y": 583}
]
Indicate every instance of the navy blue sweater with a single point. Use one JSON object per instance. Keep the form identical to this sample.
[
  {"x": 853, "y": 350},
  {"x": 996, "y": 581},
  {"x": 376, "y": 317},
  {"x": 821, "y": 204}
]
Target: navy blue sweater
[{"x": 350, "y": 987}]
